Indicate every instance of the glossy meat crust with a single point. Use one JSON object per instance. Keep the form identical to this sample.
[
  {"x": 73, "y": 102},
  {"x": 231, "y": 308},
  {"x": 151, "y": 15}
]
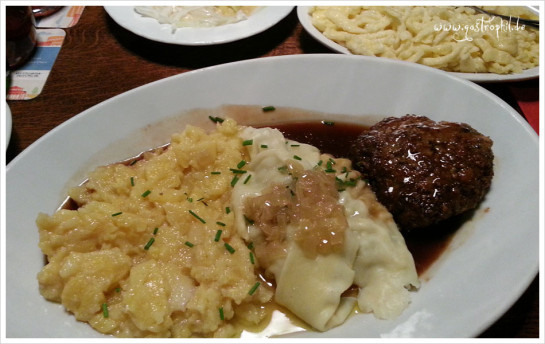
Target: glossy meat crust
[{"x": 425, "y": 171}]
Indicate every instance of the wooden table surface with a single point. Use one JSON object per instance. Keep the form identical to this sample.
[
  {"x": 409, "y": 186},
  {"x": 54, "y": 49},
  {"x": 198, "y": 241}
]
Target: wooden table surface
[{"x": 99, "y": 60}]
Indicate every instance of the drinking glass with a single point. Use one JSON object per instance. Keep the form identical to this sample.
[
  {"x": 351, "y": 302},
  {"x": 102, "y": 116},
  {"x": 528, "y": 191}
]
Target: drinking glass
[
  {"x": 43, "y": 11},
  {"x": 20, "y": 35}
]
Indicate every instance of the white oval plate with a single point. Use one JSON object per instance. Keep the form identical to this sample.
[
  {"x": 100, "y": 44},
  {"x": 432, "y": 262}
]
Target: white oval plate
[
  {"x": 489, "y": 265},
  {"x": 304, "y": 18},
  {"x": 150, "y": 28}
]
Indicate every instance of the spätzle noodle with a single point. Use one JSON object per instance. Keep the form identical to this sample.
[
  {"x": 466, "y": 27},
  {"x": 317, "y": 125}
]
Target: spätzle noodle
[{"x": 455, "y": 39}]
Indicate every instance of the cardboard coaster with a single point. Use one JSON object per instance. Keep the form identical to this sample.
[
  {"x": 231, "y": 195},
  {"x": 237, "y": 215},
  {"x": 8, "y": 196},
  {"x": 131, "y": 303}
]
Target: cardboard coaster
[
  {"x": 28, "y": 81},
  {"x": 66, "y": 17}
]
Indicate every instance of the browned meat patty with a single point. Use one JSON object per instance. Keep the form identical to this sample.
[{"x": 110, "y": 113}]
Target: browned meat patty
[{"x": 425, "y": 171}]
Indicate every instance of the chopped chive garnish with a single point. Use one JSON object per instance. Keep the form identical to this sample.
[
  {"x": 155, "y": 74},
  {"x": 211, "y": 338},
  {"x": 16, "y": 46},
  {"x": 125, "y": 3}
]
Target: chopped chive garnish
[
  {"x": 236, "y": 171},
  {"x": 328, "y": 122},
  {"x": 234, "y": 181},
  {"x": 351, "y": 182},
  {"x": 268, "y": 108},
  {"x": 221, "y": 313},
  {"x": 197, "y": 216},
  {"x": 150, "y": 242},
  {"x": 227, "y": 210},
  {"x": 254, "y": 288},
  {"x": 218, "y": 235},
  {"x": 320, "y": 163},
  {"x": 229, "y": 248},
  {"x": 247, "y": 179},
  {"x": 220, "y": 224},
  {"x": 117, "y": 214},
  {"x": 252, "y": 258},
  {"x": 133, "y": 162},
  {"x": 250, "y": 246},
  {"x": 283, "y": 169},
  {"x": 296, "y": 157},
  {"x": 215, "y": 172},
  {"x": 295, "y": 145},
  {"x": 250, "y": 221},
  {"x": 329, "y": 166},
  {"x": 247, "y": 142},
  {"x": 264, "y": 146},
  {"x": 241, "y": 164},
  {"x": 132, "y": 181},
  {"x": 155, "y": 230},
  {"x": 346, "y": 183},
  {"x": 146, "y": 193},
  {"x": 105, "y": 312},
  {"x": 216, "y": 119},
  {"x": 189, "y": 244},
  {"x": 118, "y": 290}
]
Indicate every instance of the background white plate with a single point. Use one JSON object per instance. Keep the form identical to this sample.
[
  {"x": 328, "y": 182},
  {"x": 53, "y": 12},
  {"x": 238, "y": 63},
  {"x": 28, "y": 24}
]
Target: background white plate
[
  {"x": 304, "y": 18},
  {"x": 150, "y": 28},
  {"x": 490, "y": 263}
]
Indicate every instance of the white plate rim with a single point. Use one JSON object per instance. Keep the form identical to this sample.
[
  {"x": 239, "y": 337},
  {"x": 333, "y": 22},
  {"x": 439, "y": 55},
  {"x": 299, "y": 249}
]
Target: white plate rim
[
  {"x": 9, "y": 123},
  {"x": 304, "y": 19},
  {"x": 149, "y": 28},
  {"x": 520, "y": 284}
]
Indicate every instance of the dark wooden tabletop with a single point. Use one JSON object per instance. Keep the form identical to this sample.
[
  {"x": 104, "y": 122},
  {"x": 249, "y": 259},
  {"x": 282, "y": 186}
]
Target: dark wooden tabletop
[{"x": 99, "y": 59}]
